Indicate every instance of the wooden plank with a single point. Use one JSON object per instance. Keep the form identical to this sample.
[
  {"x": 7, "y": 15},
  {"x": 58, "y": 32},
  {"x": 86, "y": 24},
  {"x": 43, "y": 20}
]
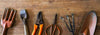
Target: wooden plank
[{"x": 49, "y": 9}]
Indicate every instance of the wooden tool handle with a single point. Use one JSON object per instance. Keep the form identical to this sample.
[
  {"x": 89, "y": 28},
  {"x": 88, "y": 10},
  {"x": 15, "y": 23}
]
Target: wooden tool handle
[
  {"x": 40, "y": 30},
  {"x": 26, "y": 32},
  {"x": 4, "y": 32},
  {"x": 35, "y": 27}
]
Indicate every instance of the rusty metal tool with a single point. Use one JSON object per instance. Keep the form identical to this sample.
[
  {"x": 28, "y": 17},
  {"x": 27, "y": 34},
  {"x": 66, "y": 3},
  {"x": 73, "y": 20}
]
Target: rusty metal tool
[
  {"x": 38, "y": 24},
  {"x": 89, "y": 23},
  {"x": 23, "y": 15},
  {"x": 53, "y": 28},
  {"x": 69, "y": 25},
  {"x": 7, "y": 19}
]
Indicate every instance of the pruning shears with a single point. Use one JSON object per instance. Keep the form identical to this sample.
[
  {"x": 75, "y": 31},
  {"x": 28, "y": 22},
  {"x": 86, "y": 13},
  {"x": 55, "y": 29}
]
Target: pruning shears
[{"x": 38, "y": 24}]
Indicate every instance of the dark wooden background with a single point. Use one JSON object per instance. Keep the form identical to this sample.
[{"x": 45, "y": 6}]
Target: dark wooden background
[{"x": 49, "y": 9}]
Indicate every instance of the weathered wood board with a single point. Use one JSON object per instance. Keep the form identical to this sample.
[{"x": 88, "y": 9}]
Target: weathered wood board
[{"x": 49, "y": 9}]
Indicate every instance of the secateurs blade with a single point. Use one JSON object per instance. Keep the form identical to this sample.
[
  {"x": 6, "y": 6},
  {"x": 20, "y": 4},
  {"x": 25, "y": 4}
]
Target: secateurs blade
[
  {"x": 38, "y": 24},
  {"x": 7, "y": 19}
]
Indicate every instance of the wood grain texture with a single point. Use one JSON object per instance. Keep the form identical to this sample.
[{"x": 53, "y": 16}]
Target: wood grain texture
[{"x": 49, "y": 9}]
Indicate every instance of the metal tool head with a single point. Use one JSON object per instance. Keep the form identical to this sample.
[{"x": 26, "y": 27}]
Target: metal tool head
[
  {"x": 55, "y": 20},
  {"x": 8, "y": 17},
  {"x": 39, "y": 15},
  {"x": 62, "y": 18},
  {"x": 39, "y": 18},
  {"x": 69, "y": 25},
  {"x": 23, "y": 14}
]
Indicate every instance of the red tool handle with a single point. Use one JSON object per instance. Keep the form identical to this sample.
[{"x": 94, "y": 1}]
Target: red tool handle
[
  {"x": 59, "y": 30},
  {"x": 35, "y": 28},
  {"x": 40, "y": 29},
  {"x": 47, "y": 28},
  {"x": 56, "y": 27},
  {"x": 52, "y": 31}
]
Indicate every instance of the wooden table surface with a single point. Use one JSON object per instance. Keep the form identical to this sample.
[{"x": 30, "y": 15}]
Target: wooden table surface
[{"x": 49, "y": 9}]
